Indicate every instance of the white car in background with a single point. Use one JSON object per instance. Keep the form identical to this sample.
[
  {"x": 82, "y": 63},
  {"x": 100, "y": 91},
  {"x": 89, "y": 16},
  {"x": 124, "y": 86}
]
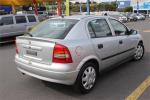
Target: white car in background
[
  {"x": 15, "y": 25},
  {"x": 123, "y": 18},
  {"x": 140, "y": 17}
]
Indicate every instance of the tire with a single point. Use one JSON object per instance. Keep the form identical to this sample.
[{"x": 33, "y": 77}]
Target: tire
[
  {"x": 139, "y": 53},
  {"x": 85, "y": 85}
]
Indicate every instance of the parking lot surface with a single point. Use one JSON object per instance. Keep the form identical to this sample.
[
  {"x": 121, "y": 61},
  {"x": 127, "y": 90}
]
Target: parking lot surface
[{"x": 116, "y": 84}]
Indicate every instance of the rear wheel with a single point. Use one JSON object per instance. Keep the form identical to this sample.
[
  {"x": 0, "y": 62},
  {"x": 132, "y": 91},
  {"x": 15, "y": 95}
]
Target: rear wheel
[
  {"x": 139, "y": 53},
  {"x": 87, "y": 78}
]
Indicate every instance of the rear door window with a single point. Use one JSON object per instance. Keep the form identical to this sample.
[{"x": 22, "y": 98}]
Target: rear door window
[
  {"x": 53, "y": 28},
  {"x": 100, "y": 27},
  {"x": 31, "y": 18},
  {"x": 6, "y": 20},
  {"x": 20, "y": 19}
]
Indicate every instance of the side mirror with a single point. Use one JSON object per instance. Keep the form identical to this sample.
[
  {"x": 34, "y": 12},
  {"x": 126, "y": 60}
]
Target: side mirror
[{"x": 131, "y": 31}]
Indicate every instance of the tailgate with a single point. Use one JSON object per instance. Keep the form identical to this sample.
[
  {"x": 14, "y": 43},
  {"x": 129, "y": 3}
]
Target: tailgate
[{"x": 35, "y": 49}]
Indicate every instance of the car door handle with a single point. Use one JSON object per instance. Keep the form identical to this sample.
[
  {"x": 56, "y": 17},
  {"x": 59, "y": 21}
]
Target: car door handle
[
  {"x": 120, "y": 42},
  {"x": 100, "y": 46}
]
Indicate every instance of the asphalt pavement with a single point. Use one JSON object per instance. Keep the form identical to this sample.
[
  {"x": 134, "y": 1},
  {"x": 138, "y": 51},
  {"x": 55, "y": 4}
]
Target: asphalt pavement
[{"x": 116, "y": 84}]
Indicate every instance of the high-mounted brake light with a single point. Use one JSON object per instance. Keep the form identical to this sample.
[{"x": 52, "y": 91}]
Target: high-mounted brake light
[{"x": 61, "y": 54}]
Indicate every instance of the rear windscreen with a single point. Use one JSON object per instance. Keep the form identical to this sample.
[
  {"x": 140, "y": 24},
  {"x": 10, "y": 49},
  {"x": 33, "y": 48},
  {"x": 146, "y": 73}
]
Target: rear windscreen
[{"x": 53, "y": 28}]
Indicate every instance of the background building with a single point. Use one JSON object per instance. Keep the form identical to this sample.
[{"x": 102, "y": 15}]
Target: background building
[
  {"x": 123, "y": 3},
  {"x": 141, "y": 5}
]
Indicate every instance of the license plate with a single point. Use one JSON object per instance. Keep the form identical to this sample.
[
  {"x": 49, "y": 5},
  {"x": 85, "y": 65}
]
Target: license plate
[{"x": 33, "y": 53}]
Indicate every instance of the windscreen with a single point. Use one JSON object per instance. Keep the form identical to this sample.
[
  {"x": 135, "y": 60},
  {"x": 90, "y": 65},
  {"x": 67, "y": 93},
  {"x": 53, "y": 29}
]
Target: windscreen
[{"x": 53, "y": 28}]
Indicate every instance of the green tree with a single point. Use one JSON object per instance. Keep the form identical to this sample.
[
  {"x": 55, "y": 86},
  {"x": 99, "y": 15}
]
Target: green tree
[
  {"x": 101, "y": 6},
  {"x": 107, "y": 6},
  {"x": 75, "y": 8},
  {"x": 92, "y": 7},
  {"x": 84, "y": 7},
  {"x": 128, "y": 9}
]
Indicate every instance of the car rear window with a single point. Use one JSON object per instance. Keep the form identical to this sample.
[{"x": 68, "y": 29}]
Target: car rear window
[
  {"x": 31, "y": 18},
  {"x": 53, "y": 28},
  {"x": 20, "y": 19},
  {"x": 6, "y": 20}
]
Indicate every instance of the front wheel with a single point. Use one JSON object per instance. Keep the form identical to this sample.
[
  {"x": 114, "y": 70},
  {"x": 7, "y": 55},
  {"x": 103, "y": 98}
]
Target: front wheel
[
  {"x": 139, "y": 53},
  {"x": 87, "y": 78}
]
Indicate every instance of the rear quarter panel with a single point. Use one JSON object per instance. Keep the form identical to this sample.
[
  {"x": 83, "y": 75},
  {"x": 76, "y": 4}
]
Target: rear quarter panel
[{"x": 81, "y": 51}]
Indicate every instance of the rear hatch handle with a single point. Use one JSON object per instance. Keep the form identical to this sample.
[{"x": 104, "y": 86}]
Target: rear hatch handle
[{"x": 33, "y": 47}]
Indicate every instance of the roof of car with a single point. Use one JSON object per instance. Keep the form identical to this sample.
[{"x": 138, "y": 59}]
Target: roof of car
[
  {"x": 16, "y": 15},
  {"x": 79, "y": 17}
]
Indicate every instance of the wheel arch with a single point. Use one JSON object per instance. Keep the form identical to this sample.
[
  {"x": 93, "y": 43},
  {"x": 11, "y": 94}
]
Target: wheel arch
[
  {"x": 93, "y": 59},
  {"x": 141, "y": 41}
]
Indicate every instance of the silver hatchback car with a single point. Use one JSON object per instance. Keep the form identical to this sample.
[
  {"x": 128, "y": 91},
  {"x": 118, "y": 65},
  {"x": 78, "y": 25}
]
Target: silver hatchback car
[{"x": 73, "y": 50}]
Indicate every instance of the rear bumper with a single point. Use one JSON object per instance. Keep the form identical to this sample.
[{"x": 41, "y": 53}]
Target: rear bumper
[{"x": 67, "y": 78}]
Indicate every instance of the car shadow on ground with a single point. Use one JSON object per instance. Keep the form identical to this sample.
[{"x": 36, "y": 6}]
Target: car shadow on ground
[
  {"x": 7, "y": 45},
  {"x": 110, "y": 80},
  {"x": 66, "y": 89}
]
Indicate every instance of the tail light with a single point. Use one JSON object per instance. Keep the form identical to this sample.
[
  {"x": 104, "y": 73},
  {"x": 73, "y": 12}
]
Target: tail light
[
  {"x": 61, "y": 54},
  {"x": 17, "y": 51}
]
